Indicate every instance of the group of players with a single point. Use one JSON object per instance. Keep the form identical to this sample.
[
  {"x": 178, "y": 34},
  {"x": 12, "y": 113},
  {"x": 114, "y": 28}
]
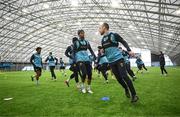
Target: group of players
[{"x": 110, "y": 56}]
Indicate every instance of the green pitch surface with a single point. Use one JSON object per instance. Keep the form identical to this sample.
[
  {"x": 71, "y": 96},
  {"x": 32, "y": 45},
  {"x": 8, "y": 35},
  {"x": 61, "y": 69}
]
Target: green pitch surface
[{"x": 159, "y": 96}]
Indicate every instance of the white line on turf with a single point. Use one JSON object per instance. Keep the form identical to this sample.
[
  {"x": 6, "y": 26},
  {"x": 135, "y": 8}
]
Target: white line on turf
[{"x": 6, "y": 99}]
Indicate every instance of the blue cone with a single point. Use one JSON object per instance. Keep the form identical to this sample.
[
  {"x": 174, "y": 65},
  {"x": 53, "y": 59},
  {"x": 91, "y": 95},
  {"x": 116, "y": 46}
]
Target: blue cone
[{"x": 105, "y": 98}]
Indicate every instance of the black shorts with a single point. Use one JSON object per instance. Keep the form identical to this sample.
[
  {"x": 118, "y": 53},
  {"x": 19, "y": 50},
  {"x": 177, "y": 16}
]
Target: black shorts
[
  {"x": 98, "y": 67},
  {"x": 140, "y": 67},
  {"x": 62, "y": 67},
  {"x": 104, "y": 67},
  {"x": 51, "y": 67},
  {"x": 118, "y": 68},
  {"x": 73, "y": 67},
  {"x": 85, "y": 68},
  {"x": 37, "y": 69},
  {"x": 162, "y": 65}
]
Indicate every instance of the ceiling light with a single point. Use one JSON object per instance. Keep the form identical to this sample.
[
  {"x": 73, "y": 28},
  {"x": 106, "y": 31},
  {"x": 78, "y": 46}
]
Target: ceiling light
[
  {"x": 131, "y": 26},
  {"x": 138, "y": 37},
  {"x": 177, "y": 11},
  {"x": 145, "y": 46},
  {"x": 24, "y": 10},
  {"x": 114, "y": 4},
  {"x": 43, "y": 29},
  {"x": 46, "y": 6},
  {"x": 74, "y": 3},
  {"x": 7, "y": 18},
  {"x": 60, "y": 25},
  {"x": 166, "y": 43},
  {"x": 142, "y": 43},
  {"x": 79, "y": 23},
  {"x": 170, "y": 34}
]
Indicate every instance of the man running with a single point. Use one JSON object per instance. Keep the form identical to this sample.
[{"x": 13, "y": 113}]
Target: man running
[
  {"x": 140, "y": 64},
  {"x": 36, "y": 61},
  {"x": 52, "y": 62},
  {"x": 62, "y": 67},
  {"x": 110, "y": 43},
  {"x": 162, "y": 63},
  {"x": 73, "y": 65},
  {"x": 81, "y": 48}
]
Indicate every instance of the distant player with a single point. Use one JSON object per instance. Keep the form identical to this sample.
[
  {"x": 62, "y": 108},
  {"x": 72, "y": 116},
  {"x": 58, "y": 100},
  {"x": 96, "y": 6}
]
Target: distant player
[
  {"x": 81, "y": 48},
  {"x": 52, "y": 62},
  {"x": 72, "y": 62},
  {"x": 128, "y": 64},
  {"x": 103, "y": 63},
  {"x": 36, "y": 61},
  {"x": 140, "y": 64},
  {"x": 62, "y": 67},
  {"x": 162, "y": 63},
  {"x": 110, "y": 43}
]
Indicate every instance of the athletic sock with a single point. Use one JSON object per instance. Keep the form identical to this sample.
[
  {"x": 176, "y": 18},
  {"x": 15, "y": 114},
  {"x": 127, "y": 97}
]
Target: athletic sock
[
  {"x": 36, "y": 82},
  {"x": 77, "y": 85},
  {"x": 68, "y": 80},
  {"x": 89, "y": 87},
  {"x": 82, "y": 86}
]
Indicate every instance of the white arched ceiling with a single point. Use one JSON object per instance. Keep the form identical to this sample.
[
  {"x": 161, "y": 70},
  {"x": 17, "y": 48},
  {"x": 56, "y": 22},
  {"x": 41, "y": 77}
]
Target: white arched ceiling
[{"x": 51, "y": 24}]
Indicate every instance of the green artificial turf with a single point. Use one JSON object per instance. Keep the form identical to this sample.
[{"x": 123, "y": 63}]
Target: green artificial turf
[{"x": 159, "y": 96}]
